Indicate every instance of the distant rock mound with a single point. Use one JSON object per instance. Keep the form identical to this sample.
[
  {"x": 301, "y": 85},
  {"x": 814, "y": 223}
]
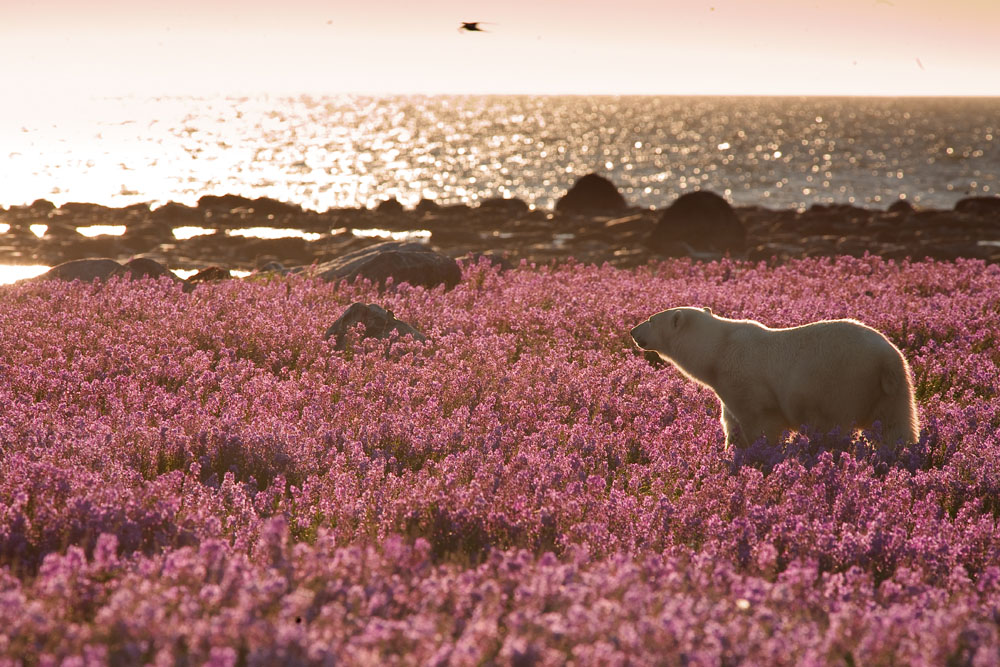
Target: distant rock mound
[
  {"x": 900, "y": 207},
  {"x": 502, "y": 205},
  {"x": 86, "y": 270},
  {"x": 591, "y": 194},
  {"x": 260, "y": 205},
  {"x": 402, "y": 261},
  {"x": 701, "y": 221},
  {"x": 209, "y": 274},
  {"x": 979, "y": 206},
  {"x": 144, "y": 267},
  {"x": 174, "y": 213},
  {"x": 379, "y": 323},
  {"x": 426, "y": 206},
  {"x": 41, "y": 206},
  {"x": 390, "y": 207},
  {"x": 102, "y": 268}
]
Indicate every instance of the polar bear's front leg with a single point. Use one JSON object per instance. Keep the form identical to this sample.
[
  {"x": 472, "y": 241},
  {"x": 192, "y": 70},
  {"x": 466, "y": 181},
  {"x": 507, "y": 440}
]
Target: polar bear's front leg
[
  {"x": 731, "y": 427},
  {"x": 771, "y": 426}
]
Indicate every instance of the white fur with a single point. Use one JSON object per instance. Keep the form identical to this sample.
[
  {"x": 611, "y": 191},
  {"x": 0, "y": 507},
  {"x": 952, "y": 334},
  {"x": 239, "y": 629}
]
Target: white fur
[{"x": 825, "y": 375}]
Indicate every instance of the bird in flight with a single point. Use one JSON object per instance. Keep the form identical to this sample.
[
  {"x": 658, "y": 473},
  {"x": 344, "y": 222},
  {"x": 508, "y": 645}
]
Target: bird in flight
[{"x": 471, "y": 26}]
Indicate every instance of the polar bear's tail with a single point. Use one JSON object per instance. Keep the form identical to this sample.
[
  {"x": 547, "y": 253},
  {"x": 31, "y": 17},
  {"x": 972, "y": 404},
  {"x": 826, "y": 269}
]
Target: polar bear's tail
[{"x": 897, "y": 408}]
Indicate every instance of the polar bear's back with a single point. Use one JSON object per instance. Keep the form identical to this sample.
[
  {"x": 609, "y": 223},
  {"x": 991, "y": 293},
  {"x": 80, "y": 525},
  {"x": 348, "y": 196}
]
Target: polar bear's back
[
  {"x": 829, "y": 339},
  {"x": 837, "y": 368}
]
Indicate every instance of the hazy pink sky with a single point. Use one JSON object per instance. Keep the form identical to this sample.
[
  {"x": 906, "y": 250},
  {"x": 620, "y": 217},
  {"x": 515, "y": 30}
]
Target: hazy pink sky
[{"x": 868, "y": 47}]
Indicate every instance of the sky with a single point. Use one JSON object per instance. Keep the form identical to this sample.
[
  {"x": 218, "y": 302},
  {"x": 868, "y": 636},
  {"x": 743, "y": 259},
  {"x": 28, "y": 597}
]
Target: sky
[{"x": 63, "y": 49}]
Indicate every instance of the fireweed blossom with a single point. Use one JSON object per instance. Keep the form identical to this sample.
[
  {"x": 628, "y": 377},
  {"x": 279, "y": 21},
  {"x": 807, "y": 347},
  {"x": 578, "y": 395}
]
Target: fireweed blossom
[{"x": 201, "y": 478}]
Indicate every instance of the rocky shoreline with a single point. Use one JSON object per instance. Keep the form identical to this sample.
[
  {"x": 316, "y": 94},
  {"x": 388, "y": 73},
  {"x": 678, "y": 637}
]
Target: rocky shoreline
[{"x": 703, "y": 226}]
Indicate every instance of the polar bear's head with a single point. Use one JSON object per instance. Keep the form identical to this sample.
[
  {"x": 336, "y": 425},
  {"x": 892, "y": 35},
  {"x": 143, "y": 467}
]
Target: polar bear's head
[{"x": 667, "y": 333}]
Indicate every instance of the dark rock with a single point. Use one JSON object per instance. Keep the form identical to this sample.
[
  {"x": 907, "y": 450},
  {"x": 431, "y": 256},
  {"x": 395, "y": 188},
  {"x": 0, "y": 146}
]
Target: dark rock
[
  {"x": 413, "y": 263},
  {"x": 591, "y": 194},
  {"x": 703, "y": 220},
  {"x": 172, "y": 212},
  {"x": 511, "y": 207},
  {"x": 87, "y": 270},
  {"x": 981, "y": 206},
  {"x": 41, "y": 206},
  {"x": 223, "y": 203},
  {"x": 81, "y": 209},
  {"x": 143, "y": 267},
  {"x": 379, "y": 323},
  {"x": 427, "y": 206},
  {"x": 61, "y": 231},
  {"x": 207, "y": 275},
  {"x": 140, "y": 210},
  {"x": 274, "y": 267},
  {"x": 390, "y": 207},
  {"x": 268, "y": 206},
  {"x": 901, "y": 207}
]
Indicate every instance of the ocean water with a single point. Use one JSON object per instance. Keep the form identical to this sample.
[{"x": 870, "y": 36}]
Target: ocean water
[{"x": 356, "y": 151}]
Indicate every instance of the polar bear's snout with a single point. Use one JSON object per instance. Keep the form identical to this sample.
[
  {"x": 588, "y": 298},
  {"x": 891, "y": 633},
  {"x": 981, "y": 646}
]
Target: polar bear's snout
[{"x": 640, "y": 335}]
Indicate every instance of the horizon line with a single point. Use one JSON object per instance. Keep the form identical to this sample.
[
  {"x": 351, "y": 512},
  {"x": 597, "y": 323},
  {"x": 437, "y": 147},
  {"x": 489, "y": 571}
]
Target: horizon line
[{"x": 453, "y": 93}]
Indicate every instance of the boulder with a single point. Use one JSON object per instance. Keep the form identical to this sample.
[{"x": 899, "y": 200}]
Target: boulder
[
  {"x": 402, "y": 261},
  {"x": 139, "y": 210},
  {"x": 84, "y": 209},
  {"x": 901, "y": 207},
  {"x": 61, "y": 231},
  {"x": 258, "y": 206},
  {"x": 223, "y": 203},
  {"x": 174, "y": 213},
  {"x": 268, "y": 206},
  {"x": 143, "y": 267},
  {"x": 206, "y": 275},
  {"x": 41, "y": 206},
  {"x": 275, "y": 268},
  {"x": 379, "y": 323},
  {"x": 591, "y": 194},
  {"x": 980, "y": 206},
  {"x": 87, "y": 270},
  {"x": 512, "y": 207},
  {"x": 702, "y": 220},
  {"x": 427, "y": 206},
  {"x": 389, "y": 207}
]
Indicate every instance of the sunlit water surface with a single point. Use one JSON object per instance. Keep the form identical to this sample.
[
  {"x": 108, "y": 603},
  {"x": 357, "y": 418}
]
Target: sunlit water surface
[
  {"x": 355, "y": 151},
  {"x": 10, "y": 273}
]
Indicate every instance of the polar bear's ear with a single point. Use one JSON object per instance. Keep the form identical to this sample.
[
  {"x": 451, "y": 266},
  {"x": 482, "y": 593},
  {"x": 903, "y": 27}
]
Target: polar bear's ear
[
  {"x": 675, "y": 320},
  {"x": 707, "y": 310}
]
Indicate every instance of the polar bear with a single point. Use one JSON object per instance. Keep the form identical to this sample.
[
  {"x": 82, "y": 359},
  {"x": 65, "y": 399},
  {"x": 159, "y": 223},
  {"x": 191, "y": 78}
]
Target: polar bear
[{"x": 825, "y": 375}]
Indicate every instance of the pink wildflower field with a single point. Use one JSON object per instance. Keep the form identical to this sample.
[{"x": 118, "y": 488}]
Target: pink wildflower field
[{"x": 201, "y": 478}]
